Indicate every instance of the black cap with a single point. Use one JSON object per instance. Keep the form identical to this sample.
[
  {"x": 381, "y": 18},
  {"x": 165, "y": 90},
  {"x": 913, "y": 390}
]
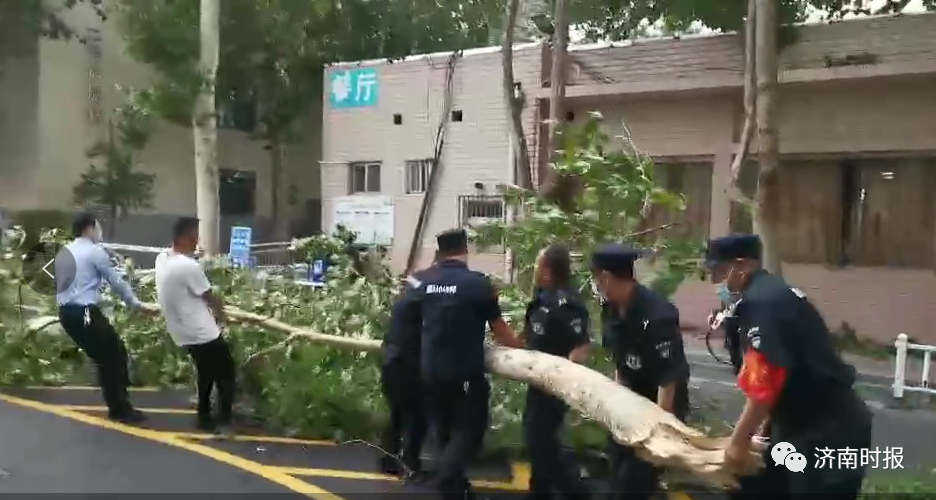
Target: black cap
[
  {"x": 732, "y": 247},
  {"x": 453, "y": 240},
  {"x": 616, "y": 259}
]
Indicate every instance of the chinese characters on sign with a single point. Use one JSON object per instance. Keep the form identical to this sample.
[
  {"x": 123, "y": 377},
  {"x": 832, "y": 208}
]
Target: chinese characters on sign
[
  {"x": 239, "y": 251},
  {"x": 354, "y": 88},
  {"x": 853, "y": 458},
  {"x": 785, "y": 455}
]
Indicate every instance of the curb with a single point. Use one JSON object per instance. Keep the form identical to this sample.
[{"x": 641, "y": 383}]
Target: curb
[{"x": 703, "y": 358}]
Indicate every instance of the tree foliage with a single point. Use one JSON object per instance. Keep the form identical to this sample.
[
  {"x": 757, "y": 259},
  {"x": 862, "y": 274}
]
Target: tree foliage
[
  {"x": 116, "y": 184},
  {"x": 318, "y": 391}
]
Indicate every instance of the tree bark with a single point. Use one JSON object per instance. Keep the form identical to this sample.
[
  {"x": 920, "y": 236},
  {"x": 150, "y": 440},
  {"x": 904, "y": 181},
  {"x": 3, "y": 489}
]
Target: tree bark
[
  {"x": 513, "y": 104},
  {"x": 766, "y": 216},
  {"x": 205, "y": 132},
  {"x": 633, "y": 420},
  {"x": 557, "y": 74},
  {"x": 750, "y": 100},
  {"x": 279, "y": 184}
]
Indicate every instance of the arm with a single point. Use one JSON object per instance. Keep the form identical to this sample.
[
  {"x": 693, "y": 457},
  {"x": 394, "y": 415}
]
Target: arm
[
  {"x": 198, "y": 284},
  {"x": 106, "y": 271},
  {"x": 671, "y": 357},
  {"x": 572, "y": 320},
  {"x": 764, "y": 370},
  {"x": 490, "y": 308}
]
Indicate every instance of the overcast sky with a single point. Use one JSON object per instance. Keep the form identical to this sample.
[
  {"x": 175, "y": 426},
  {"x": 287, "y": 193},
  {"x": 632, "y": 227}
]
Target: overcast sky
[{"x": 913, "y": 6}]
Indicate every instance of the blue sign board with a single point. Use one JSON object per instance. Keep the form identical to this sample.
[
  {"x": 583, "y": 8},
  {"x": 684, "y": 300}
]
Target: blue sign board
[
  {"x": 317, "y": 272},
  {"x": 239, "y": 252},
  {"x": 353, "y": 88}
]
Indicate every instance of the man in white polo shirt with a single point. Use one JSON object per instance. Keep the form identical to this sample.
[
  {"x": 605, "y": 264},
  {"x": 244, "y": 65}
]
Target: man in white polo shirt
[{"x": 193, "y": 314}]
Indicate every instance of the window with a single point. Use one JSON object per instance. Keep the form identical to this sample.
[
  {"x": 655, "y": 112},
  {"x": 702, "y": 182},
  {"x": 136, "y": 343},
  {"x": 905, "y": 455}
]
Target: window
[
  {"x": 417, "y": 175},
  {"x": 868, "y": 212},
  {"x": 364, "y": 177},
  {"x": 479, "y": 209},
  {"x": 236, "y": 192},
  {"x": 237, "y": 113},
  {"x": 694, "y": 182}
]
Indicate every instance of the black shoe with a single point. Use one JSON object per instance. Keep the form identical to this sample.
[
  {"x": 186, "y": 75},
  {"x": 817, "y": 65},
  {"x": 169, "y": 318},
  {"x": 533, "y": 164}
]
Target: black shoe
[
  {"x": 391, "y": 465},
  {"x": 129, "y": 417}
]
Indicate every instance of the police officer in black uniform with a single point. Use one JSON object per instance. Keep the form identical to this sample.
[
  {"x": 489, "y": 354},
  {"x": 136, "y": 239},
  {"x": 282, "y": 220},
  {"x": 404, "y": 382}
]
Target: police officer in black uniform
[
  {"x": 454, "y": 304},
  {"x": 641, "y": 330},
  {"x": 399, "y": 376},
  {"x": 792, "y": 376},
  {"x": 556, "y": 323}
]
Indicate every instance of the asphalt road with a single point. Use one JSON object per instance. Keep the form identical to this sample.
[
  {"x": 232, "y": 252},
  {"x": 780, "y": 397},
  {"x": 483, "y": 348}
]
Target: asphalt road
[{"x": 56, "y": 440}]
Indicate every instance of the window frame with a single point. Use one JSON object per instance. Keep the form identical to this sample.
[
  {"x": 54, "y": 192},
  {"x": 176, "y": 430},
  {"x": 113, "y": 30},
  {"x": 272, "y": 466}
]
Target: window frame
[
  {"x": 368, "y": 166},
  {"x": 424, "y": 167}
]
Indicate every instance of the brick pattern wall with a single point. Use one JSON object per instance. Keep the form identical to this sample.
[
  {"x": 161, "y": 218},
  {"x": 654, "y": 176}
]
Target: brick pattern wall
[{"x": 476, "y": 149}]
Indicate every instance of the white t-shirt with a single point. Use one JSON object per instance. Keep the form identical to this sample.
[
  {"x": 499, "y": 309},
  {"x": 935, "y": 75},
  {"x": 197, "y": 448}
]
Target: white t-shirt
[{"x": 180, "y": 284}]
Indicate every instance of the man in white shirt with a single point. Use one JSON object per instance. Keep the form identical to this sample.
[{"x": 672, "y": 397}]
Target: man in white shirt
[{"x": 193, "y": 314}]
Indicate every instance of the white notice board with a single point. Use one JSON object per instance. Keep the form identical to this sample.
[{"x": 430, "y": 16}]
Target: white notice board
[{"x": 371, "y": 217}]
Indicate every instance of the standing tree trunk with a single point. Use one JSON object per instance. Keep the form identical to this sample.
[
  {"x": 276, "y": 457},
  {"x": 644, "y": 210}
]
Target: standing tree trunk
[
  {"x": 557, "y": 74},
  {"x": 205, "y": 131},
  {"x": 766, "y": 216},
  {"x": 750, "y": 99},
  {"x": 279, "y": 198},
  {"x": 513, "y": 104}
]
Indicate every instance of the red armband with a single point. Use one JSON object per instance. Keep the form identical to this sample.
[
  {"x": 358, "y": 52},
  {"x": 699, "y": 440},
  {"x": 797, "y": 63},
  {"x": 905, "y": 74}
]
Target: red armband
[{"x": 760, "y": 379}]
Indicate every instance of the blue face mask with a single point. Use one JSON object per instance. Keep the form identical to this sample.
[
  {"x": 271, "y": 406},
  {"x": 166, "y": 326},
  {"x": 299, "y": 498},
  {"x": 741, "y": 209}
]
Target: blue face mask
[{"x": 724, "y": 294}]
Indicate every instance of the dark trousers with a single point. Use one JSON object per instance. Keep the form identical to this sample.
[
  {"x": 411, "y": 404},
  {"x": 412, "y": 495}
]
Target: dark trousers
[
  {"x": 550, "y": 469},
  {"x": 459, "y": 412},
  {"x": 98, "y": 339},
  {"x": 215, "y": 368},
  {"x": 406, "y": 432},
  {"x": 848, "y": 427},
  {"x": 633, "y": 478}
]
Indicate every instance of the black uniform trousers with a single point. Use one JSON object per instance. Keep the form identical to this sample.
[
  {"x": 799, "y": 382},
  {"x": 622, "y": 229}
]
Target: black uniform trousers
[
  {"x": 406, "y": 432},
  {"x": 215, "y": 367},
  {"x": 848, "y": 427},
  {"x": 458, "y": 410},
  {"x": 550, "y": 469},
  {"x": 633, "y": 478},
  {"x": 98, "y": 339}
]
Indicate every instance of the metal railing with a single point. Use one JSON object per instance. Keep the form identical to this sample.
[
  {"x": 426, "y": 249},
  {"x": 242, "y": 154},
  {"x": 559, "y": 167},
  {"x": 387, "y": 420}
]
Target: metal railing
[
  {"x": 268, "y": 258},
  {"x": 904, "y": 346}
]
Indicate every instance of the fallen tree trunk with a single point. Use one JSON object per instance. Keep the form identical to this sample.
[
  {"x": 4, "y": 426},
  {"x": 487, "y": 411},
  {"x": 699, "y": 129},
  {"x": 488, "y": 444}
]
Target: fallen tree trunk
[{"x": 633, "y": 420}]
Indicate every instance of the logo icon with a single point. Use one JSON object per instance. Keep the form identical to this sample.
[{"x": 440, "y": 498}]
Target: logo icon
[
  {"x": 48, "y": 268},
  {"x": 785, "y": 454}
]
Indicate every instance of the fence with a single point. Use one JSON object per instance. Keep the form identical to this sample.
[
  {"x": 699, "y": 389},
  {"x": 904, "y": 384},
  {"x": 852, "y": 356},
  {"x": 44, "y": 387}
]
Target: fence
[
  {"x": 903, "y": 346},
  {"x": 269, "y": 258}
]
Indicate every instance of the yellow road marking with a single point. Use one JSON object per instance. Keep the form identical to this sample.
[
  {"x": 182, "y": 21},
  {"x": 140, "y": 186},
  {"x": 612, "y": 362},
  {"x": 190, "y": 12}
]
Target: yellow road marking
[
  {"x": 678, "y": 495},
  {"x": 87, "y": 388},
  {"x": 520, "y": 472},
  {"x": 171, "y": 411},
  {"x": 254, "y": 439},
  {"x": 370, "y": 476},
  {"x": 271, "y": 474}
]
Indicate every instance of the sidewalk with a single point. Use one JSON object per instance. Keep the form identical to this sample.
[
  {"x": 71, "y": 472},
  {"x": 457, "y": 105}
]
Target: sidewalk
[{"x": 870, "y": 370}]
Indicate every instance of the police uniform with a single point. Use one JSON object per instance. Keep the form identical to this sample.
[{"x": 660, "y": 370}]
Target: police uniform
[
  {"x": 556, "y": 323},
  {"x": 646, "y": 346},
  {"x": 789, "y": 359},
  {"x": 399, "y": 376},
  {"x": 454, "y": 304}
]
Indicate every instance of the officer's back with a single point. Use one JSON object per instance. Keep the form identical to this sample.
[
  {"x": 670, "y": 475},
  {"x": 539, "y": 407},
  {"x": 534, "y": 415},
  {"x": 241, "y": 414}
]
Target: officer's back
[
  {"x": 818, "y": 377},
  {"x": 456, "y": 305},
  {"x": 401, "y": 343}
]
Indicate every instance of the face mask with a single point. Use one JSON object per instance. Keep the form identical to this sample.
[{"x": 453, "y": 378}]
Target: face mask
[{"x": 724, "y": 294}]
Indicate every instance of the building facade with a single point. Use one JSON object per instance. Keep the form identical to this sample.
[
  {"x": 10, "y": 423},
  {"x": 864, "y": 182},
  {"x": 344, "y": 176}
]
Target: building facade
[
  {"x": 55, "y": 100},
  {"x": 857, "y": 125}
]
